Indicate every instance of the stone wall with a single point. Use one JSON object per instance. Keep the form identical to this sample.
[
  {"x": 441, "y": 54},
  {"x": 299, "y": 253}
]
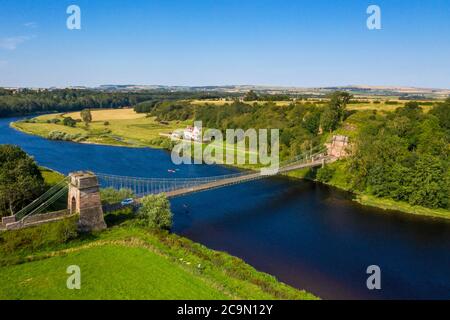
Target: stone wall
[
  {"x": 339, "y": 147},
  {"x": 37, "y": 220}
]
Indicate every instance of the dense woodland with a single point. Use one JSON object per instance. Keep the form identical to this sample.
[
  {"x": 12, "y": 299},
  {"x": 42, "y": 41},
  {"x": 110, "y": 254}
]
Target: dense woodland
[
  {"x": 404, "y": 155},
  {"x": 25, "y": 102}
]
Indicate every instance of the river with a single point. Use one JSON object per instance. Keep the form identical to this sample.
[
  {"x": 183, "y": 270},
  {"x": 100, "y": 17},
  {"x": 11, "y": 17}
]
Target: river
[{"x": 308, "y": 235}]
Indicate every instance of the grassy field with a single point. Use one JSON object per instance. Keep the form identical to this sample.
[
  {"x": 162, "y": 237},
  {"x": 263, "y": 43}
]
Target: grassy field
[
  {"x": 109, "y": 272},
  {"x": 125, "y": 262},
  {"x": 51, "y": 177},
  {"x": 125, "y": 127}
]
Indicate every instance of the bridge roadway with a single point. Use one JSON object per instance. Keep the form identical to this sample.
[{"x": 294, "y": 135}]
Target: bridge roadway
[{"x": 246, "y": 178}]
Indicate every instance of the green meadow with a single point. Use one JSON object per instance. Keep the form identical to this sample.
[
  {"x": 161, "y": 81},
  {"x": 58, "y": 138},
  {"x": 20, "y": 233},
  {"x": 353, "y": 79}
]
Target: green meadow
[{"x": 127, "y": 262}]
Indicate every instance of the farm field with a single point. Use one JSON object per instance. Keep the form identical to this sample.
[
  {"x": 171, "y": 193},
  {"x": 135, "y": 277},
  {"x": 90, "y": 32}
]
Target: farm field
[
  {"x": 382, "y": 106},
  {"x": 109, "y": 126}
]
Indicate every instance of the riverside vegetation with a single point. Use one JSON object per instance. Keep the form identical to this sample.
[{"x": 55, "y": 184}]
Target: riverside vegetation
[{"x": 399, "y": 153}]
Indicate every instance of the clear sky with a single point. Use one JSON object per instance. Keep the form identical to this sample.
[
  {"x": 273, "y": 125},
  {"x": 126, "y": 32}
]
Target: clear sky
[{"x": 218, "y": 42}]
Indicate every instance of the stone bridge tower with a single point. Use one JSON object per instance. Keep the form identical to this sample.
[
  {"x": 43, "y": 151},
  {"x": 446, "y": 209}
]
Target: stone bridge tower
[{"x": 84, "y": 199}]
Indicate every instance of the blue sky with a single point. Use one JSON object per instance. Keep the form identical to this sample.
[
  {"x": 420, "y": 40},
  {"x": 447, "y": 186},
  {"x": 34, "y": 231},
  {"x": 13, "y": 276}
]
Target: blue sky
[{"x": 218, "y": 42}]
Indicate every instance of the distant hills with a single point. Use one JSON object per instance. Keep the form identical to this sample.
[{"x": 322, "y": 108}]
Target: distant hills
[{"x": 357, "y": 90}]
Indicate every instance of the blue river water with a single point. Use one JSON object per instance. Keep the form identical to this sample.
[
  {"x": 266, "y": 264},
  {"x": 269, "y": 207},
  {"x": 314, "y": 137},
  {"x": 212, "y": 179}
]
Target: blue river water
[{"x": 308, "y": 235}]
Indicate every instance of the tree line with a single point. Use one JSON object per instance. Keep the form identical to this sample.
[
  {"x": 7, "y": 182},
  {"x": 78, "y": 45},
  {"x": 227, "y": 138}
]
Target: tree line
[{"x": 23, "y": 102}]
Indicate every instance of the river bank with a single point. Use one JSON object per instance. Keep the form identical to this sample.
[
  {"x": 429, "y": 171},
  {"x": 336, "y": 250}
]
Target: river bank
[
  {"x": 141, "y": 263},
  {"x": 308, "y": 235},
  {"x": 187, "y": 270},
  {"x": 153, "y": 129}
]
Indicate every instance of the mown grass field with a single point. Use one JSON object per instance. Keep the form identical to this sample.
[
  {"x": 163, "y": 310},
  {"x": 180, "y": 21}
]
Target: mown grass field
[
  {"x": 127, "y": 262},
  {"x": 108, "y": 272}
]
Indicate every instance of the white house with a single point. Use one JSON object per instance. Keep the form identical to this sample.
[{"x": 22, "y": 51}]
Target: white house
[{"x": 193, "y": 133}]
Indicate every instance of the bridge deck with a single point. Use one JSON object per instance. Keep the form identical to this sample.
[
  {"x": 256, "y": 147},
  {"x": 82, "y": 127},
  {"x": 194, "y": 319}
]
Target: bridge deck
[{"x": 246, "y": 178}]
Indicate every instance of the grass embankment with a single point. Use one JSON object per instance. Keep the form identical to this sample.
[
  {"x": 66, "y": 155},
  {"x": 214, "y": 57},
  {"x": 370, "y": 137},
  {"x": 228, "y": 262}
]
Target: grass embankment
[
  {"x": 127, "y": 262},
  {"x": 50, "y": 176},
  {"x": 389, "y": 204}
]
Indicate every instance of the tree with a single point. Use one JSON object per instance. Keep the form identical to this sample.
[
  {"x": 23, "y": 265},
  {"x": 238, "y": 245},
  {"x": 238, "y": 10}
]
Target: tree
[
  {"x": 251, "y": 96},
  {"x": 430, "y": 184},
  {"x": 155, "y": 212},
  {"x": 442, "y": 112},
  {"x": 325, "y": 174},
  {"x": 311, "y": 122},
  {"x": 335, "y": 111},
  {"x": 86, "y": 116},
  {"x": 338, "y": 102},
  {"x": 329, "y": 120},
  {"x": 20, "y": 180},
  {"x": 69, "y": 122}
]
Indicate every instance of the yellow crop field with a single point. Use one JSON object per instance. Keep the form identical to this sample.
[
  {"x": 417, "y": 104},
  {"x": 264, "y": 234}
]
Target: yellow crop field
[{"x": 109, "y": 114}]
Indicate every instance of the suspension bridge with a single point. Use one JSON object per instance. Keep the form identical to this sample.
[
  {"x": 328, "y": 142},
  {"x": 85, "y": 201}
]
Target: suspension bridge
[{"x": 82, "y": 190}]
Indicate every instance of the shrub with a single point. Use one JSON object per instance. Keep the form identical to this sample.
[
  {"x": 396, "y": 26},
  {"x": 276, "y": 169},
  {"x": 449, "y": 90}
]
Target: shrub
[
  {"x": 54, "y": 120},
  {"x": 40, "y": 236},
  {"x": 111, "y": 196},
  {"x": 155, "y": 212},
  {"x": 58, "y": 135},
  {"x": 163, "y": 143},
  {"x": 106, "y": 123},
  {"x": 119, "y": 216},
  {"x": 69, "y": 122},
  {"x": 325, "y": 174}
]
